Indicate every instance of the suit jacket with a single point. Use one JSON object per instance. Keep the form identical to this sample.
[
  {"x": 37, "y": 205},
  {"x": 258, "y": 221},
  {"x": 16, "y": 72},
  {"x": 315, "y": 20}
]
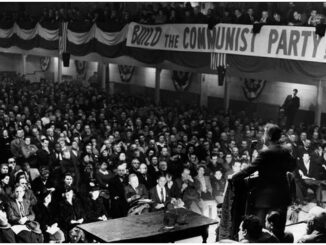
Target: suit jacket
[
  {"x": 14, "y": 211},
  {"x": 272, "y": 188},
  {"x": 150, "y": 182},
  {"x": 141, "y": 191},
  {"x": 315, "y": 169},
  {"x": 156, "y": 199},
  {"x": 291, "y": 104}
]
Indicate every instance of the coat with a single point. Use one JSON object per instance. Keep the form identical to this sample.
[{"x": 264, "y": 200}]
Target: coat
[
  {"x": 70, "y": 212},
  {"x": 46, "y": 216},
  {"x": 14, "y": 212},
  {"x": 119, "y": 206},
  {"x": 291, "y": 104},
  {"x": 95, "y": 209},
  {"x": 156, "y": 199},
  {"x": 272, "y": 189}
]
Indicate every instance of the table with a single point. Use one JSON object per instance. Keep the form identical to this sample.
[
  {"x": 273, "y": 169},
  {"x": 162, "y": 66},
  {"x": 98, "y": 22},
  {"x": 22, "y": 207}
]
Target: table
[{"x": 148, "y": 227}]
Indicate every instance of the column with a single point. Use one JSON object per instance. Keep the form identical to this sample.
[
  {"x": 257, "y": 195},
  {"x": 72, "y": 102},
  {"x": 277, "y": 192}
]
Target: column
[
  {"x": 103, "y": 85},
  {"x": 319, "y": 102},
  {"x": 226, "y": 95},
  {"x": 59, "y": 69},
  {"x": 157, "y": 85},
  {"x": 111, "y": 84},
  {"x": 203, "y": 90},
  {"x": 24, "y": 64}
]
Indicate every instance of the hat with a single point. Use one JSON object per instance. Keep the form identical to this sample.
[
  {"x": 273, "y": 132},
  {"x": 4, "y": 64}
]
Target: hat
[
  {"x": 94, "y": 187},
  {"x": 44, "y": 194},
  {"x": 34, "y": 227}
]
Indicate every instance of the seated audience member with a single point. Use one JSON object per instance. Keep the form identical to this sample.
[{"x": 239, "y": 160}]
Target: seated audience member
[
  {"x": 20, "y": 209},
  {"x": 205, "y": 189},
  {"x": 189, "y": 189},
  {"x": 172, "y": 186},
  {"x": 68, "y": 182},
  {"x": 47, "y": 216},
  {"x": 42, "y": 183},
  {"x": 43, "y": 155},
  {"x": 316, "y": 227},
  {"x": 13, "y": 170},
  {"x": 160, "y": 195},
  {"x": 236, "y": 167},
  {"x": 5, "y": 188},
  {"x": 310, "y": 172},
  {"x": 134, "y": 193},
  {"x": 145, "y": 178},
  {"x": 95, "y": 209},
  {"x": 71, "y": 211},
  {"x": 214, "y": 164},
  {"x": 30, "y": 173},
  {"x": 218, "y": 185},
  {"x": 251, "y": 231},
  {"x": 29, "y": 194},
  {"x": 29, "y": 152},
  {"x": 6, "y": 233},
  {"x": 103, "y": 175},
  {"x": 273, "y": 225}
]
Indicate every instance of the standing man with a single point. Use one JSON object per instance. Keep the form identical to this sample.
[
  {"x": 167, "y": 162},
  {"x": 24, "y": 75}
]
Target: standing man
[
  {"x": 272, "y": 190},
  {"x": 290, "y": 107}
]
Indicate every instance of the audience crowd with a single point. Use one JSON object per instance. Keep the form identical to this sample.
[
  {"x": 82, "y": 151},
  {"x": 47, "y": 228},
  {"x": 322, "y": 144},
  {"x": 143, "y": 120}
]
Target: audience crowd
[
  {"x": 269, "y": 14},
  {"x": 71, "y": 154}
]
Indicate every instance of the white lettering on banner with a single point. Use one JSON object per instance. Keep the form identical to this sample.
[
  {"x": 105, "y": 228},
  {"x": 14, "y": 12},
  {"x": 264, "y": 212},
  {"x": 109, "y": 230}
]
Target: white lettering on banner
[{"x": 286, "y": 42}]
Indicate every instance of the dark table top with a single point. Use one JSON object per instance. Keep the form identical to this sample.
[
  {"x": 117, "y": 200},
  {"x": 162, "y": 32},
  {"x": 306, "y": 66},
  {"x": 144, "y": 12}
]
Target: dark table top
[{"x": 146, "y": 225}]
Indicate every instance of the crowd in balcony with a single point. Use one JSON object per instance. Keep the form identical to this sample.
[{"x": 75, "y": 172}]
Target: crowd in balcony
[{"x": 175, "y": 13}]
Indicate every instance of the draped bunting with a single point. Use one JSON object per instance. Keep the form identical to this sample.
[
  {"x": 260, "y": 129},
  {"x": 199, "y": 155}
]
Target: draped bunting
[
  {"x": 275, "y": 69},
  {"x": 109, "y": 41}
]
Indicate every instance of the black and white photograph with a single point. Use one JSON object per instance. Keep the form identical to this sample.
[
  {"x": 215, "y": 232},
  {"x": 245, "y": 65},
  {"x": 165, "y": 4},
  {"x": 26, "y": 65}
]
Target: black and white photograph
[{"x": 162, "y": 122}]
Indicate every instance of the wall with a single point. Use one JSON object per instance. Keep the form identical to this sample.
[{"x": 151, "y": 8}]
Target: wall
[
  {"x": 10, "y": 62},
  {"x": 13, "y": 62},
  {"x": 274, "y": 92},
  {"x": 143, "y": 84}
]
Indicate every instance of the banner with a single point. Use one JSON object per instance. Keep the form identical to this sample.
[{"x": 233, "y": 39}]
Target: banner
[{"x": 286, "y": 42}]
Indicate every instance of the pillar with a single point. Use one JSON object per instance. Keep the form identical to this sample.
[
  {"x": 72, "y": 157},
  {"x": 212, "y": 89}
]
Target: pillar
[
  {"x": 59, "y": 69},
  {"x": 319, "y": 102},
  {"x": 226, "y": 95},
  {"x": 203, "y": 90},
  {"x": 111, "y": 84},
  {"x": 157, "y": 86},
  {"x": 103, "y": 83},
  {"x": 24, "y": 64}
]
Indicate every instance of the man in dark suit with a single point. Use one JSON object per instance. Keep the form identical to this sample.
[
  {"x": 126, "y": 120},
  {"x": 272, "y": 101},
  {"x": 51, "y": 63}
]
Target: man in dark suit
[
  {"x": 290, "y": 107},
  {"x": 311, "y": 175},
  {"x": 160, "y": 194},
  {"x": 272, "y": 190}
]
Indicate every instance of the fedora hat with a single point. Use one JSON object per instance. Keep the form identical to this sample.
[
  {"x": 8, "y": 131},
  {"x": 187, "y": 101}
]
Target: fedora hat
[{"x": 34, "y": 227}]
